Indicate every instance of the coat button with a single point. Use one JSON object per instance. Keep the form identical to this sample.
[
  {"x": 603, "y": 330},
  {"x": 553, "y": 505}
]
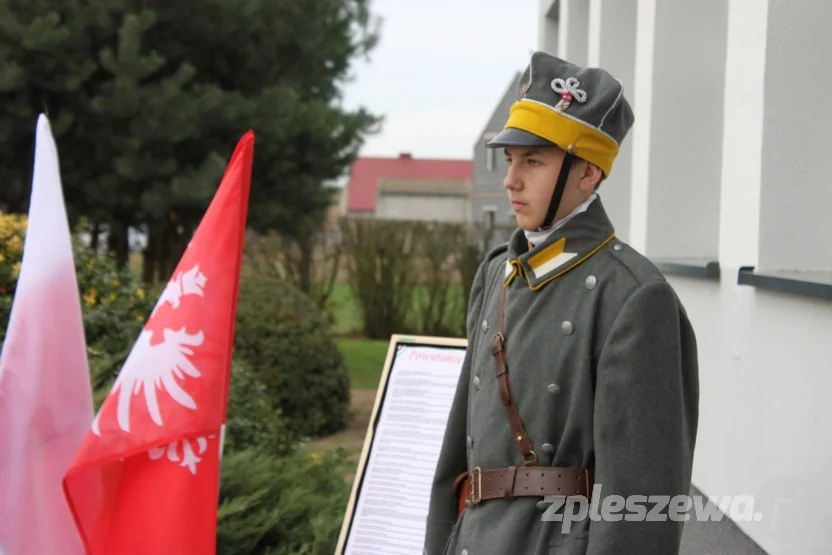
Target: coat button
[
  {"x": 464, "y": 552},
  {"x": 566, "y": 326},
  {"x": 477, "y": 382},
  {"x": 591, "y": 282},
  {"x": 548, "y": 448},
  {"x": 541, "y": 505},
  {"x": 484, "y": 325},
  {"x": 554, "y": 388},
  {"x": 470, "y": 442},
  {"x": 617, "y": 246}
]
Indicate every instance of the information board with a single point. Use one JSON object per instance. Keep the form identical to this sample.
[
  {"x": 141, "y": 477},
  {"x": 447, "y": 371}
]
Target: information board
[{"x": 390, "y": 494}]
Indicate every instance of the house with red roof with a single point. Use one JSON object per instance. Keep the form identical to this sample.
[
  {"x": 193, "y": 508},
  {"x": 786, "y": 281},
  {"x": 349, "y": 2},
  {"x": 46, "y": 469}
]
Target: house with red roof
[{"x": 405, "y": 187}]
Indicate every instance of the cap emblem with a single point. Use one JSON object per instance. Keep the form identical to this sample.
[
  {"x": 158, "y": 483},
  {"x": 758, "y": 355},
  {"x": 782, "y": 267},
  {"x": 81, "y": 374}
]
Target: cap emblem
[{"x": 569, "y": 90}]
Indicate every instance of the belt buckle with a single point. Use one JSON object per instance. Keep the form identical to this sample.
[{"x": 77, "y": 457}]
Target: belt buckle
[{"x": 476, "y": 485}]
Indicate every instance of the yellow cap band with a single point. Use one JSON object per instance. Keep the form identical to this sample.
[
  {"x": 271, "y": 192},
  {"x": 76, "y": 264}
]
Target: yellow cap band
[{"x": 590, "y": 144}]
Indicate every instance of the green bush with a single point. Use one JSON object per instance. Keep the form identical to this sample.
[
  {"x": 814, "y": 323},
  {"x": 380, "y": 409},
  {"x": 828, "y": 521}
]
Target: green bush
[
  {"x": 12, "y": 234},
  {"x": 5, "y": 312},
  {"x": 470, "y": 254},
  {"x": 115, "y": 307},
  {"x": 438, "y": 304},
  {"x": 283, "y": 339},
  {"x": 381, "y": 266},
  {"x": 282, "y": 506},
  {"x": 411, "y": 277},
  {"x": 252, "y": 422},
  {"x": 114, "y": 303},
  {"x": 274, "y": 496}
]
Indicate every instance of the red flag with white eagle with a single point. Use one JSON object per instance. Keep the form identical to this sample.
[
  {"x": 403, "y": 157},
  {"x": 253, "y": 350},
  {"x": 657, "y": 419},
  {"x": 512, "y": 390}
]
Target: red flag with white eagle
[{"x": 146, "y": 478}]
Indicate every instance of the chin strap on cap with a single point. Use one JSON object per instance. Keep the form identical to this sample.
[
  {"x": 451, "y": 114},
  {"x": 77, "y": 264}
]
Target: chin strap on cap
[{"x": 557, "y": 194}]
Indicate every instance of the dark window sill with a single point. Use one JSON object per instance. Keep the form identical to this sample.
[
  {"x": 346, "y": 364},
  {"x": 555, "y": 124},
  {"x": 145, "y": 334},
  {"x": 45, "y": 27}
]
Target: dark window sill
[
  {"x": 817, "y": 285},
  {"x": 705, "y": 269}
]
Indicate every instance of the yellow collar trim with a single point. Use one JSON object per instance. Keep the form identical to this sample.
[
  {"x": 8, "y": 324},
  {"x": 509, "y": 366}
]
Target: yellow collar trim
[{"x": 550, "y": 258}]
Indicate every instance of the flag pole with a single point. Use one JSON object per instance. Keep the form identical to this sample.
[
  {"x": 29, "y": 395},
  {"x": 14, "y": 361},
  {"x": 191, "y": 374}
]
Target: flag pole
[{"x": 219, "y": 463}]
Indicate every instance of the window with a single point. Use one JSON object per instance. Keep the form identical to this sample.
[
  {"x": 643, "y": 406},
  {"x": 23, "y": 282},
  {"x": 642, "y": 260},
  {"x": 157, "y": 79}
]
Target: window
[{"x": 491, "y": 159}]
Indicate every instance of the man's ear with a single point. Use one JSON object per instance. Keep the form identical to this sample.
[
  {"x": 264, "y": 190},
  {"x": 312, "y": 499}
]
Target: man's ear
[{"x": 591, "y": 176}]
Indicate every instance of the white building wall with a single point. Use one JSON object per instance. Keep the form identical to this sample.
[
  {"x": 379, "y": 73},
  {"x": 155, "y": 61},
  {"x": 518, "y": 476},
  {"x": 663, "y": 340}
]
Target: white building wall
[
  {"x": 640, "y": 133},
  {"x": 547, "y": 26},
  {"x": 422, "y": 207},
  {"x": 764, "y": 408},
  {"x": 612, "y": 45},
  {"x": 727, "y": 164},
  {"x": 796, "y": 197},
  {"x": 686, "y": 127},
  {"x": 573, "y": 29},
  {"x": 743, "y": 134}
]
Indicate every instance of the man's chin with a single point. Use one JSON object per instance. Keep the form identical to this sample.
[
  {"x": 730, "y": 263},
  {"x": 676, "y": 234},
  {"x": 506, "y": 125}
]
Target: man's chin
[{"x": 527, "y": 224}]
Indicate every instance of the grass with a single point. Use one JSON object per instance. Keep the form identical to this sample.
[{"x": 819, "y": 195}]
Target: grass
[
  {"x": 347, "y": 315},
  {"x": 364, "y": 359},
  {"x": 344, "y": 309}
]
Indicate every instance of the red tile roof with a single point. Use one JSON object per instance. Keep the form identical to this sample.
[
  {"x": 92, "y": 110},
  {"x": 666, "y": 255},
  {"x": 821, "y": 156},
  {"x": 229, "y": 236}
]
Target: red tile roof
[{"x": 365, "y": 173}]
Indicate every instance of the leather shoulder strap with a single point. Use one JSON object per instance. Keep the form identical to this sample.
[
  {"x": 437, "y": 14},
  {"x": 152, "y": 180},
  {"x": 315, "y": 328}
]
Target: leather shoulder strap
[{"x": 498, "y": 350}]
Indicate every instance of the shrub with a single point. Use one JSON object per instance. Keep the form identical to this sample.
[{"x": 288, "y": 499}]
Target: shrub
[
  {"x": 5, "y": 312},
  {"x": 411, "y": 276},
  {"x": 12, "y": 235},
  {"x": 283, "y": 339},
  {"x": 114, "y": 303},
  {"x": 438, "y": 302},
  {"x": 471, "y": 253},
  {"x": 381, "y": 266},
  {"x": 310, "y": 261},
  {"x": 115, "y": 309},
  {"x": 115, "y": 306},
  {"x": 282, "y": 506},
  {"x": 273, "y": 495},
  {"x": 252, "y": 422}
]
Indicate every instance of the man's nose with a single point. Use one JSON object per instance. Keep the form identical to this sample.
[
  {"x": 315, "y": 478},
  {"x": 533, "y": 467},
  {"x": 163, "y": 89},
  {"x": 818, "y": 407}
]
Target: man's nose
[{"x": 511, "y": 181}]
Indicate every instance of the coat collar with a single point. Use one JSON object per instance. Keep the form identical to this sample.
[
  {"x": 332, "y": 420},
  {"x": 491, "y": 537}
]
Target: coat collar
[
  {"x": 568, "y": 246},
  {"x": 535, "y": 237}
]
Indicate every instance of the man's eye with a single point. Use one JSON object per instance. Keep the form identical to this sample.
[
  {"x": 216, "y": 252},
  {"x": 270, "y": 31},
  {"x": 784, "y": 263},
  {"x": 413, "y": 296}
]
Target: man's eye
[{"x": 532, "y": 162}]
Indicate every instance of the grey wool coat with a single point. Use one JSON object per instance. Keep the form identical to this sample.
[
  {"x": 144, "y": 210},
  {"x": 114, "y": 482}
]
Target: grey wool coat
[{"x": 602, "y": 364}]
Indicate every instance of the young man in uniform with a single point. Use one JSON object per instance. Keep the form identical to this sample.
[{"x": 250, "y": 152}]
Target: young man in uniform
[{"x": 581, "y": 374}]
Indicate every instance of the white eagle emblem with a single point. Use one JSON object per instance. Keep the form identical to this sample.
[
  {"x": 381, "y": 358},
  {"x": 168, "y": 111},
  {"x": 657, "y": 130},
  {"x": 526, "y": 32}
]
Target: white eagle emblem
[
  {"x": 150, "y": 368},
  {"x": 188, "y": 459}
]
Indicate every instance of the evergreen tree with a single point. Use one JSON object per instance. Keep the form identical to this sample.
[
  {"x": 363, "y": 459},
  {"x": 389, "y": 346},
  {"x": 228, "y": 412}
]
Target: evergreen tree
[{"x": 147, "y": 99}]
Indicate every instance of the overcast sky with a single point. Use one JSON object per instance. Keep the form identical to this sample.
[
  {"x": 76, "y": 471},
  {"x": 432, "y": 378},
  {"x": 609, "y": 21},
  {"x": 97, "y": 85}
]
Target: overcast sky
[{"x": 439, "y": 70}]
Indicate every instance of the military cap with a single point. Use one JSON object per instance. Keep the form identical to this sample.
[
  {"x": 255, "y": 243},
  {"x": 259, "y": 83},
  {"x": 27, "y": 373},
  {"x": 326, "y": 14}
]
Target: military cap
[{"x": 581, "y": 110}]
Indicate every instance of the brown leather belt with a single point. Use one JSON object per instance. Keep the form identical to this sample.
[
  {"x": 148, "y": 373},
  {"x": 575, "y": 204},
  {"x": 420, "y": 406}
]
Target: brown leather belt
[{"x": 507, "y": 483}]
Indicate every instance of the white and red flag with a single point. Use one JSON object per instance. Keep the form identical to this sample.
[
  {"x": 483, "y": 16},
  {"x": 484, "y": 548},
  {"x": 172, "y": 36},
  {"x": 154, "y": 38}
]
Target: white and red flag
[
  {"x": 45, "y": 400},
  {"x": 154, "y": 446}
]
